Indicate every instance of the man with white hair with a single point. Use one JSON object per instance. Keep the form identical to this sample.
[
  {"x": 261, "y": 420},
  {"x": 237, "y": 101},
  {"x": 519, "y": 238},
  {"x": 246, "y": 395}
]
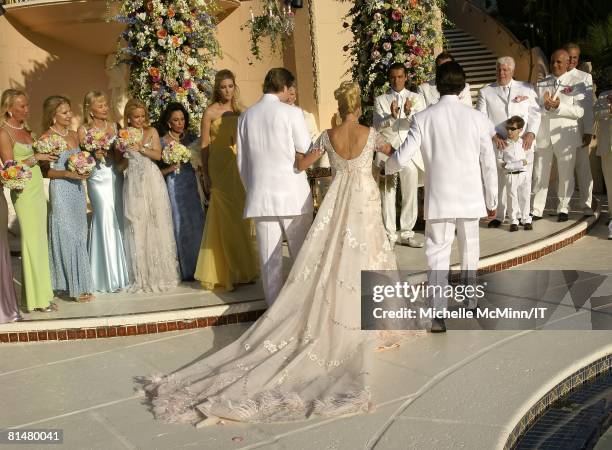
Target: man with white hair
[
  {"x": 561, "y": 99},
  {"x": 584, "y": 176},
  {"x": 499, "y": 101}
]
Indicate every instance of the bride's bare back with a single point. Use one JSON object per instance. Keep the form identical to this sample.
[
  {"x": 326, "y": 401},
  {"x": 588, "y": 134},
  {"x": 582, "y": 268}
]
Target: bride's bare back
[{"x": 348, "y": 139}]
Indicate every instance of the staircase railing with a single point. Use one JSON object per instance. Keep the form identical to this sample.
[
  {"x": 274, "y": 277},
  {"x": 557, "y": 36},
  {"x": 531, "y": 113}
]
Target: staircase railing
[{"x": 495, "y": 36}]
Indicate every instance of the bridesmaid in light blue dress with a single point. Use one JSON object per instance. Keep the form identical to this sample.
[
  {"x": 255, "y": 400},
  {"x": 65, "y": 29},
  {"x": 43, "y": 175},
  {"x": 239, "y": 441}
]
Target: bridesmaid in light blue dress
[
  {"x": 70, "y": 268},
  {"x": 187, "y": 211},
  {"x": 105, "y": 187}
]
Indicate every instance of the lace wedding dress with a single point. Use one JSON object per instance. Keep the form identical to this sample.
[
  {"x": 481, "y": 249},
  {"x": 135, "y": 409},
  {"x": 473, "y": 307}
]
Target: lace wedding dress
[
  {"x": 306, "y": 355},
  {"x": 148, "y": 231}
]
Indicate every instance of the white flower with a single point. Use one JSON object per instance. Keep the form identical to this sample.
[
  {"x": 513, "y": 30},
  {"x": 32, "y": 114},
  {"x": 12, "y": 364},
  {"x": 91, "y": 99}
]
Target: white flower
[{"x": 142, "y": 16}]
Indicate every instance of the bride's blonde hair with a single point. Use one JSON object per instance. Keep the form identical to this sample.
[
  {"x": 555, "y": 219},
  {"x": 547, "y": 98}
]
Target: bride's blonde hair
[{"x": 348, "y": 96}]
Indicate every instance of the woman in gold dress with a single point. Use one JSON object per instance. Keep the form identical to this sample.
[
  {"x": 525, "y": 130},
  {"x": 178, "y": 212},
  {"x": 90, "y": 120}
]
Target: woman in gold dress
[{"x": 227, "y": 255}]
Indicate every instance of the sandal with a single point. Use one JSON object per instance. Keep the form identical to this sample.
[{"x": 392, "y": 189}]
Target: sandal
[
  {"x": 51, "y": 308},
  {"x": 84, "y": 298}
]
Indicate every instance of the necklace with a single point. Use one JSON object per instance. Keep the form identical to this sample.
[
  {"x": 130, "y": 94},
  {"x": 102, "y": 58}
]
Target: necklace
[
  {"x": 101, "y": 129},
  {"x": 14, "y": 127},
  {"x": 177, "y": 139},
  {"x": 62, "y": 135}
]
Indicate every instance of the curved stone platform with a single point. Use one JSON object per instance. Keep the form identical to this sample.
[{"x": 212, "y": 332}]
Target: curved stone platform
[{"x": 189, "y": 307}]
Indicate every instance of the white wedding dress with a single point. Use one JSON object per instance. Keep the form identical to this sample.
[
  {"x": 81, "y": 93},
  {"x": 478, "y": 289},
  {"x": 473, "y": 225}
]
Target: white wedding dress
[
  {"x": 306, "y": 355},
  {"x": 149, "y": 238}
]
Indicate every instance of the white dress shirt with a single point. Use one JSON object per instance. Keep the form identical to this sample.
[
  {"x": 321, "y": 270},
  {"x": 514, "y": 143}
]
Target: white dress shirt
[
  {"x": 459, "y": 159},
  {"x": 513, "y": 156},
  {"x": 269, "y": 134},
  {"x": 587, "y": 120}
]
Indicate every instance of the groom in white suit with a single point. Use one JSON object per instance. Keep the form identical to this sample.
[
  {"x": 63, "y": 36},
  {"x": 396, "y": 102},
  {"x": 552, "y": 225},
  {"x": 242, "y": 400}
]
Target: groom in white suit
[
  {"x": 455, "y": 142},
  {"x": 393, "y": 112},
  {"x": 561, "y": 97},
  {"x": 499, "y": 101},
  {"x": 278, "y": 197}
]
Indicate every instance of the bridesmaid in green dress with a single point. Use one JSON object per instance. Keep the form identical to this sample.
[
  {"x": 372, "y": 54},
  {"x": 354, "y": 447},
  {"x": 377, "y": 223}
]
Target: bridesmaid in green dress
[{"x": 30, "y": 203}]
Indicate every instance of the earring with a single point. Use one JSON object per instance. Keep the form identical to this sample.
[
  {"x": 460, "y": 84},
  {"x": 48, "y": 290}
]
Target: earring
[
  {"x": 91, "y": 115},
  {"x": 10, "y": 114},
  {"x": 54, "y": 121}
]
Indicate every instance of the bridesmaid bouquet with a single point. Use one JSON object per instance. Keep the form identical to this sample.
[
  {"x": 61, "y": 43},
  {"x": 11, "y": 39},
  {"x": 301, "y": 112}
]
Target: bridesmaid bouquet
[
  {"x": 52, "y": 145},
  {"x": 14, "y": 175},
  {"x": 128, "y": 137},
  {"x": 81, "y": 163},
  {"x": 96, "y": 140},
  {"x": 176, "y": 153}
]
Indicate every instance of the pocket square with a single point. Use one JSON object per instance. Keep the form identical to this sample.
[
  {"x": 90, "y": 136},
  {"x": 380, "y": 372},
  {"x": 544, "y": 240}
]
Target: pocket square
[
  {"x": 519, "y": 98},
  {"x": 567, "y": 89}
]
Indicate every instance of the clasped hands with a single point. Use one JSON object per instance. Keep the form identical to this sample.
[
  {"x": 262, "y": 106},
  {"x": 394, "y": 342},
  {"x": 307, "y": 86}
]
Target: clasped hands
[
  {"x": 550, "y": 102},
  {"x": 395, "y": 109}
]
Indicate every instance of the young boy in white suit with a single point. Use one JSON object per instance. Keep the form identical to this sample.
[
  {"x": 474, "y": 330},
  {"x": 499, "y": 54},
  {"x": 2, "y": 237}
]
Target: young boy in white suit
[{"x": 516, "y": 163}]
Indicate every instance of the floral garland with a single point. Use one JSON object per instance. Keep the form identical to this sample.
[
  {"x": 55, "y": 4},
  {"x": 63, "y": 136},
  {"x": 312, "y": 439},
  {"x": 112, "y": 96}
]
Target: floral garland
[
  {"x": 170, "y": 46},
  {"x": 390, "y": 31},
  {"x": 274, "y": 23}
]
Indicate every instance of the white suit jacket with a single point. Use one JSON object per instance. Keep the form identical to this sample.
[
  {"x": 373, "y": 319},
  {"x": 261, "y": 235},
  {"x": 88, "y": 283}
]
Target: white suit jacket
[
  {"x": 395, "y": 130},
  {"x": 430, "y": 93},
  {"x": 604, "y": 125},
  {"x": 588, "y": 119},
  {"x": 460, "y": 166},
  {"x": 522, "y": 101},
  {"x": 560, "y": 126},
  {"x": 269, "y": 134}
]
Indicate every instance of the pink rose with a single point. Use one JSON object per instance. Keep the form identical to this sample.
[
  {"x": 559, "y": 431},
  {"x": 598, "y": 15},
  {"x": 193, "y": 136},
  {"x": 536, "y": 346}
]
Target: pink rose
[
  {"x": 187, "y": 84},
  {"x": 387, "y": 46},
  {"x": 567, "y": 89},
  {"x": 375, "y": 54},
  {"x": 396, "y": 15},
  {"x": 377, "y": 16},
  {"x": 396, "y": 36}
]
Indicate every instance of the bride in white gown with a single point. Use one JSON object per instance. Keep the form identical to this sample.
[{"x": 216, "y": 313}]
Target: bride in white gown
[{"x": 306, "y": 355}]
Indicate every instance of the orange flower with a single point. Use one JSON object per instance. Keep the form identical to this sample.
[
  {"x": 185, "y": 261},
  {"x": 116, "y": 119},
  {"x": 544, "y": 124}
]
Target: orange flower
[
  {"x": 162, "y": 33},
  {"x": 175, "y": 41},
  {"x": 170, "y": 12},
  {"x": 413, "y": 3},
  {"x": 154, "y": 72},
  {"x": 124, "y": 133}
]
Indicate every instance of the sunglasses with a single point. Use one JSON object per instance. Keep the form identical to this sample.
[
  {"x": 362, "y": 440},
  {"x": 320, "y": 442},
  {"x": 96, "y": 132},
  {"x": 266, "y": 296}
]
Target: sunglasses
[{"x": 512, "y": 128}]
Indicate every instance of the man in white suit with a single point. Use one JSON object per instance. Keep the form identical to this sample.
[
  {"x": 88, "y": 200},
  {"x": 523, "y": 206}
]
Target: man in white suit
[
  {"x": 393, "y": 112},
  {"x": 561, "y": 98},
  {"x": 584, "y": 177},
  {"x": 455, "y": 142},
  {"x": 277, "y": 196},
  {"x": 429, "y": 91},
  {"x": 499, "y": 101}
]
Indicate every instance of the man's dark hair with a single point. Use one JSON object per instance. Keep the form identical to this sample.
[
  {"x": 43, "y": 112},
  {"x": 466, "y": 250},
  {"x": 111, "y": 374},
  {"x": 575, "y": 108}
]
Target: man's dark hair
[
  {"x": 277, "y": 79},
  {"x": 516, "y": 120},
  {"x": 444, "y": 55},
  {"x": 450, "y": 78},
  {"x": 396, "y": 66}
]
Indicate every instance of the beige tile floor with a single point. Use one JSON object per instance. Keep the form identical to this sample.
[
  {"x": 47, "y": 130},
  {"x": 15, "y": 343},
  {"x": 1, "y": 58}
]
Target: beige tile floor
[{"x": 462, "y": 390}]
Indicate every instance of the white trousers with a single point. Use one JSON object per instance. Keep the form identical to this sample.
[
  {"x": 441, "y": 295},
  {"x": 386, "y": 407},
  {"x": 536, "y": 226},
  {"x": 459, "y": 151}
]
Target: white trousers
[
  {"x": 518, "y": 188},
  {"x": 584, "y": 178},
  {"x": 501, "y": 195},
  {"x": 439, "y": 237},
  {"x": 606, "y": 168},
  {"x": 270, "y": 231},
  {"x": 566, "y": 158},
  {"x": 408, "y": 181}
]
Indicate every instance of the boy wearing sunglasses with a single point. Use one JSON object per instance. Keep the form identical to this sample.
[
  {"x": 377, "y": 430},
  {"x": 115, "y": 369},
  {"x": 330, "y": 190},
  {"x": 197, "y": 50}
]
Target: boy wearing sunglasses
[{"x": 517, "y": 164}]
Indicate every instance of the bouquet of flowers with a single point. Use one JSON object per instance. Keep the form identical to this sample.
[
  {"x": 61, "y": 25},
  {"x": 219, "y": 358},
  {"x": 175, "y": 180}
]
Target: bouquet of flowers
[
  {"x": 128, "y": 137},
  {"x": 176, "y": 153},
  {"x": 52, "y": 145},
  {"x": 81, "y": 163},
  {"x": 14, "y": 175},
  {"x": 96, "y": 140}
]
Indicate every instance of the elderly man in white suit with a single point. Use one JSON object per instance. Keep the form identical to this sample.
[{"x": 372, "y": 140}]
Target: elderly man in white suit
[
  {"x": 429, "y": 91},
  {"x": 603, "y": 114},
  {"x": 584, "y": 177},
  {"x": 460, "y": 177},
  {"x": 499, "y": 101},
  {"x": 393, "y": 112},
  {"x": 277, "y": 196},
  {"x": 561, "y": 98}
]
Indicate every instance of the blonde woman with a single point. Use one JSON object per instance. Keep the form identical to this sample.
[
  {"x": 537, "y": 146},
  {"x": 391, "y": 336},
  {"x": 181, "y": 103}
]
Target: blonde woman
[
  {"x": 149, "y": 238},
  {"x": 30, "y": 203},
  {"x": 227, "y": 256},
  {"x": 306, "y": 355},
  {"x": 105, "y": 188},
  {"x": 70, "y": 269}
]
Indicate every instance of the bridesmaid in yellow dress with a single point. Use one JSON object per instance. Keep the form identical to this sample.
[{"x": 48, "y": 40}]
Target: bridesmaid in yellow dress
[
  {"x": 227, "y": 254},
  {"x": 30, "y": 203}
]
